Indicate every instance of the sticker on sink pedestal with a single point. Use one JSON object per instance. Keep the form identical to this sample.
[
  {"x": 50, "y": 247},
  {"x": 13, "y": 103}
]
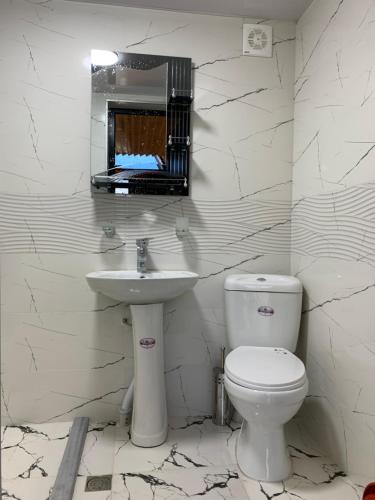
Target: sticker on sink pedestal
[{"x": 147, "y": 342}]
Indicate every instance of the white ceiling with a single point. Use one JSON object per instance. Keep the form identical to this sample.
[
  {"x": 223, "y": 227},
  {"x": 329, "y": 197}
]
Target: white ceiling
[{"x": 261, "y": 9}]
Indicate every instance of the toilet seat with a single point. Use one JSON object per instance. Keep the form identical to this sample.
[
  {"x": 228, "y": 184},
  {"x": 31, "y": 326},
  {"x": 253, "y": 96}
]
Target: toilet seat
[{"x": 265, "y": 369}]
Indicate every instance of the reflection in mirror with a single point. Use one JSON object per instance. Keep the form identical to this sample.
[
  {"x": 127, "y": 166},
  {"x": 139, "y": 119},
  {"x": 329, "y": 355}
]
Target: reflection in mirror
[{"x": 140, "y": 120}]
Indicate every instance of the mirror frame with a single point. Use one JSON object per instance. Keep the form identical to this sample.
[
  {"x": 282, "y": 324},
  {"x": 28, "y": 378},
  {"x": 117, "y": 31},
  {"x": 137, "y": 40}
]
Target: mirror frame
[{"x": 178, "y": 142}]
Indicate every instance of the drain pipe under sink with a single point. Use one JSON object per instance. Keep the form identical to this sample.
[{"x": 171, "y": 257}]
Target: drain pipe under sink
[{"x": 127, "y": 406}]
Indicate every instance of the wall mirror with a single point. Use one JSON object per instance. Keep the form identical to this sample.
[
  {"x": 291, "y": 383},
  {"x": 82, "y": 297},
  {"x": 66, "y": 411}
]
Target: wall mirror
[{"x": 140, "y": 123}]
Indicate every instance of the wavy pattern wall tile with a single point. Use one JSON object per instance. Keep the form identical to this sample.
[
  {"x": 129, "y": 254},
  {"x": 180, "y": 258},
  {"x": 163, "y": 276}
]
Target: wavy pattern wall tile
[
  {"x": 333, "y": 224},
  {"x": 340, "y": 224},
  {"x": 67, "y": 351},
  {"x": 58, "y": 225}
]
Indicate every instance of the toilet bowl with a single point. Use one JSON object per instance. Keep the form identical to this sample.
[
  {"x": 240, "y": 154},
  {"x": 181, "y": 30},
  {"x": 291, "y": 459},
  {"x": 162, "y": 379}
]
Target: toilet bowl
[
  {"x": 265, "y": 381},
  {"x": 267, "y": 386}
]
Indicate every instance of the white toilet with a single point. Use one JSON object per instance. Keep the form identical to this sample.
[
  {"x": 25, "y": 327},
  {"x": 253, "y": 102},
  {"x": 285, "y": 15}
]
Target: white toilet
[{"x": 265, "y": 381}]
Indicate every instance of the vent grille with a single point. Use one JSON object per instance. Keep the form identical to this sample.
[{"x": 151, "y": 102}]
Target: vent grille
[{"x": 257, "y": 40}]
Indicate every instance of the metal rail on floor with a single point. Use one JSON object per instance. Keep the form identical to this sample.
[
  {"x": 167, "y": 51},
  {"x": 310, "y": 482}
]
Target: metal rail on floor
[{"x": 66, "y": 477}]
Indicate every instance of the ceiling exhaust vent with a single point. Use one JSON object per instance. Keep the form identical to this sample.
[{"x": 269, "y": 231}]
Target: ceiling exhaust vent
[{"x": 257, "y": 40}]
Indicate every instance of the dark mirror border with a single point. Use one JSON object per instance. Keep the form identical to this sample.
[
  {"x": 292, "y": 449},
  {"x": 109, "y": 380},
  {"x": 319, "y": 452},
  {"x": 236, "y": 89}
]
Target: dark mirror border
[{"x": 174, "y": 181}]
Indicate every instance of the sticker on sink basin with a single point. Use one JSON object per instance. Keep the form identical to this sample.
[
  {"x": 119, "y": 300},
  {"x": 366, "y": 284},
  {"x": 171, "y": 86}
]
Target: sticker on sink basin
[{"x": 147, "y": 342}]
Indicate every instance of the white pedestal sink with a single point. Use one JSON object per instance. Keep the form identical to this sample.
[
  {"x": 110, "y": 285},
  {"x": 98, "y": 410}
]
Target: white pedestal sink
[{"x": 145, "y": 293}]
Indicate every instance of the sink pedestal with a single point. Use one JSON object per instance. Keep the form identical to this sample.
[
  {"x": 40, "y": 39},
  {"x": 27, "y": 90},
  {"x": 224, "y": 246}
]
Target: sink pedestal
[
  {"x": 146, "y": 293},
  {"x": 149, "y": 421}
]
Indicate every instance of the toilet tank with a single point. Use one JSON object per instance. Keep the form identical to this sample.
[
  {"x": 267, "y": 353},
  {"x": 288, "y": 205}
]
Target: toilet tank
[{"x": 263, "y": 310}]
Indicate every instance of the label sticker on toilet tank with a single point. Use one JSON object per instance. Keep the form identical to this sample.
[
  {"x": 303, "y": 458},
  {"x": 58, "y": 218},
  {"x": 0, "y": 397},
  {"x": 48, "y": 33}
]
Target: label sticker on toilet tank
[
  {"x": 265, "y": 310},
  {"x": 147, "y": 342}
]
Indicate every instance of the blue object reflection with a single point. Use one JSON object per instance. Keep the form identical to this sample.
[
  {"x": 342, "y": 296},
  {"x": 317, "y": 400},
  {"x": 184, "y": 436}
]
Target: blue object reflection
[{"x": 135, "y": 162}]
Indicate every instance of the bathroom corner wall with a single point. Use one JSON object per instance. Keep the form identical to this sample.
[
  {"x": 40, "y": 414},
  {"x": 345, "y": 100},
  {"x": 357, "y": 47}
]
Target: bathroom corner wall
[
  {"x": 65, "y": 350},
  {"x": 333, "y": 224}
]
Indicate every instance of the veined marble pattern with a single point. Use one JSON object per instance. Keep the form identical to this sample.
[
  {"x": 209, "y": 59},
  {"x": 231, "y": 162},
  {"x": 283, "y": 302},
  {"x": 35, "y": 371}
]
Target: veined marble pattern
[
  {"x": 68, "y": 352},
  {"x": 196, "y": 461},
  {"x": 65, "y": 350},
  {"x": 333, "y": 229}
]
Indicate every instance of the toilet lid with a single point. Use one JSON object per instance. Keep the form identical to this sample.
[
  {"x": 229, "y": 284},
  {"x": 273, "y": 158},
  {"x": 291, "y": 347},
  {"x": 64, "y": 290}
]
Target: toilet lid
[{"x": 265, "y": 368}]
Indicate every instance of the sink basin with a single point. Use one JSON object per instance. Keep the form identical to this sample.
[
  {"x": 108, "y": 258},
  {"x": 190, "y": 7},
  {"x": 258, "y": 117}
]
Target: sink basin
[
  {"x": 132, "y": 287},
  {"x": 145, "y": 293}
]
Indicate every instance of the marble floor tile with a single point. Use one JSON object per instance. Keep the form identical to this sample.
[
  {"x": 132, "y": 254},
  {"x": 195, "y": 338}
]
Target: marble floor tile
[
  {"x": 33, "y": 451},
  {"x": 26, "y": 489},
  {"x": 313, "y": 477},
  {"x": 211, "y": 483},
  {"x": 191, "y": 443},
  {"x": 40, "y": 489},
  {"x": 98, "y": 452},
  {"x": 197, "y": 460},
  {"x": 338, "y": 490}
]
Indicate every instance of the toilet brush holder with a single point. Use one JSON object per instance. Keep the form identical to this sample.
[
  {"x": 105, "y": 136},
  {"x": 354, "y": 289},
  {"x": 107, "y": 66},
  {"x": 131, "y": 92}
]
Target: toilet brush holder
[{"x": 223, "y": 409}]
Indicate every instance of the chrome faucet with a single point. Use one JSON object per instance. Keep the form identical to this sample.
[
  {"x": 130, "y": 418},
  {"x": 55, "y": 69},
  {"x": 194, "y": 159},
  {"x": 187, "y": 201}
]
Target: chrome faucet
[{"x": 142, "y": 251}]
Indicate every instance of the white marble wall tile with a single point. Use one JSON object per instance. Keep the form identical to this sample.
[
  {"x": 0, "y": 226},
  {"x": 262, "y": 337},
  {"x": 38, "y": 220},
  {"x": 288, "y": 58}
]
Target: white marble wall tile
[
  {"x": 49, "y": 283},
  {"x": 335, "y": 103},
  {"x": 62, "y": 344},
  {"x": 221, "y": 74},
  {"x": 62, "y": 394},
  {"x": 333, "y": 225},
  {"x": 48, "y": 337},
  {"x": 183, "y": 399},
  {"x": 83, "y": 341}
]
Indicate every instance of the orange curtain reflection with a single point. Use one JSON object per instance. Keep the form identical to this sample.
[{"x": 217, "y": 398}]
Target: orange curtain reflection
[{"x": 140, "y": 134}]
